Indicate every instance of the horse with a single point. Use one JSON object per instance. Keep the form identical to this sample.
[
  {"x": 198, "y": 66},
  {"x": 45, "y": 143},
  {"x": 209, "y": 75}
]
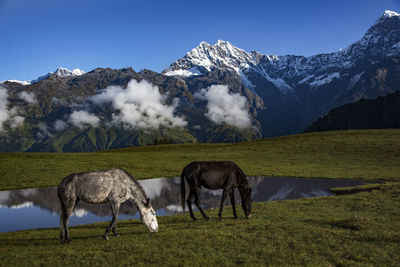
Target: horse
[
  {"x": 215, "y": 175},
  {"x": 114, "y": 186}
]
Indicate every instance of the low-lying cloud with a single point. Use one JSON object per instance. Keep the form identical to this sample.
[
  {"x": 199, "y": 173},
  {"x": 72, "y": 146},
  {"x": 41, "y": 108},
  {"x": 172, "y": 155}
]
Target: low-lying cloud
[
  {"x": 28, "y": 97},
  {"x": 225, "y": 107},
  {"x": 3, "y": 107},
  {"x": 60, "y": 125},
  {"x": 83, "y": 118},
  {"x": 140, "y": 105},
  {"x": 6, "y": 114}
]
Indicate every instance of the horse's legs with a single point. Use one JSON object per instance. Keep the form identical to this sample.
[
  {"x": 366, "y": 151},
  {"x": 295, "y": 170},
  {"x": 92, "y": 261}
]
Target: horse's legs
[
  {"x": 189, "y": 202},
  {"x": 197, "y": 202},
  {"x": 113, "y": 224},
  {"x": 114, "y": 227},
  {"x": 62, "y": 218},
  {"x": 224, "y": 195},
  {"x": 69, "y": 207},
  {"x": 232, "y": 197}
]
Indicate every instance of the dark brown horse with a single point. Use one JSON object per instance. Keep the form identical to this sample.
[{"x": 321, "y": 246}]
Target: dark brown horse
[{"x": 215, "y": 175}]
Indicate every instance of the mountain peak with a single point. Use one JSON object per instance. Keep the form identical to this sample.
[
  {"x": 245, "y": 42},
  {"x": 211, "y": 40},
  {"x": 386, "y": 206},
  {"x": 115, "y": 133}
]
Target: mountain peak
[
  {"x": 389, "y": 13},
  {"x": 222, "y": 42},
  {"x": 64, "y": 72},
  {"x": 206, "y": 57}
]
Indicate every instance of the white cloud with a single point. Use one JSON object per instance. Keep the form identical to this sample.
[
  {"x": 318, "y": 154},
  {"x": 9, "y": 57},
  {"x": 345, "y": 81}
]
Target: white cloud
[
  {"x": 6, "y": 114},
  {"x": 43, "y": 131},
  {"x": 140, "y": 105},
  {"x": 28, "y": 97},
  {"x": 224, "y": 107},
  {"x": 82, "y": 118},
  {"x": 16, "y": 121},
  {"x": 60, "y": 125},
  {"x": 3, "y": 107}
]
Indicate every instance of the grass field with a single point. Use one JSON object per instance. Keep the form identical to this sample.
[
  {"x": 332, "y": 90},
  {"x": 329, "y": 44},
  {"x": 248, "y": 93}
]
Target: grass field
[
  {"x": 347, "y": 230},
  {"x": 365, "y": 154},
  {"x": 361, "y": 226}
]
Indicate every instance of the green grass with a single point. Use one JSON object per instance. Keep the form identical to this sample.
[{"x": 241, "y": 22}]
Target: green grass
[
  {"x": 349, "y": 230},
  {"x": 358, "y": 227},
  {"x": 365, "y": 154}
]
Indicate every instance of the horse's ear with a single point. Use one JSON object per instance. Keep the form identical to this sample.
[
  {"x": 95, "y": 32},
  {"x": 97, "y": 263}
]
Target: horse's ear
[{"x": 148, "y": 202}]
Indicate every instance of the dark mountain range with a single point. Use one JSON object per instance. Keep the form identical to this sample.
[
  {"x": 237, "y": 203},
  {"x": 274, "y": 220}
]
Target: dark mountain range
[
  {"x": 215, "y": 93},
  {"x": 380, "y": 113}
]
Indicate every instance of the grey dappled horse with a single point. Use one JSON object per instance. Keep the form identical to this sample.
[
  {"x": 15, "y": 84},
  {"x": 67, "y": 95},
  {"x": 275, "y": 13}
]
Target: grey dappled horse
[
  {"x": 215, "y": 175},
  {"x": 114, "y": 186}
]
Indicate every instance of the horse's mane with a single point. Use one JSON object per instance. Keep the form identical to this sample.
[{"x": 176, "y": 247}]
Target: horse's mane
[
  {"x": 245, "y": 182},
  {"x": 136, "y": 183}
]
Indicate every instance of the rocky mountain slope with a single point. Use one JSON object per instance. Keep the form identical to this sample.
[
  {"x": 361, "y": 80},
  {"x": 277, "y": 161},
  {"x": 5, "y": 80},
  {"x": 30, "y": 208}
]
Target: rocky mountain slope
[
  {"x": 73, "y": 114},
  {"x": 215, "y": 93}
]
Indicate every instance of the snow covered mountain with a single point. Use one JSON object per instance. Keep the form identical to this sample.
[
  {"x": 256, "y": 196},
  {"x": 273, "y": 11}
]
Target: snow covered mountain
[
  {"x": 297, "y": 90},
  {"x": 287, "y": 72},
  {"x": 60, "y": 72}
]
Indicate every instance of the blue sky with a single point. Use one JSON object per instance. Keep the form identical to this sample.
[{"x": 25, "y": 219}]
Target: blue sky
[{"x": 37, "y": 36}]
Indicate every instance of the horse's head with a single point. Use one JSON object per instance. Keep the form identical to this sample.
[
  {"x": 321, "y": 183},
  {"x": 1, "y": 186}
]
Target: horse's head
[
  {"x": 247, "y": 202},
  {"x": 148, "y": 216}
]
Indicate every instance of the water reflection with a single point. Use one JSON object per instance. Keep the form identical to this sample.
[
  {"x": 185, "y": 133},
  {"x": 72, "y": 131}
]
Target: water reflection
[{"x": 39, "y": 207}]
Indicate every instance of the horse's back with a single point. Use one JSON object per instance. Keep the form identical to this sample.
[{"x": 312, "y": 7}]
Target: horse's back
[
  {"x": 212, "y": 174},
  {"x": 94, "y": 186}
]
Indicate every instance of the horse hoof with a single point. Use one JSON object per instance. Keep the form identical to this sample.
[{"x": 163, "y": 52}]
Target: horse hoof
[
  {"x": 105, "y": 237},
  {"x": 116, "y": 235},
  {"x": 235, "y": 217}
]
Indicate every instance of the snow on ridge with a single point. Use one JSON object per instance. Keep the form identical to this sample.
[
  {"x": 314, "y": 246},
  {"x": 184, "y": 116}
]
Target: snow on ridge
[
  {"x": 387, "y": 14},
  {"x": 396, "y": 45},
  {"x": 194, "y": 71},
  {"x": 17, "y": 81},
  {"x": 280, "y": 83},
  {"x": 354, "y": 80},
  {"x": 77, "y": 72},
  {"x": 324, "y": 79},
  {"x": 390, "y": 13},
  {"x": 61, "y": 72},
  {"x": 306, "y": 79},
  {"x": 64, "y": 72},
  {"x": 220, "y": 54},
  {"x": 246, "y": 81}
]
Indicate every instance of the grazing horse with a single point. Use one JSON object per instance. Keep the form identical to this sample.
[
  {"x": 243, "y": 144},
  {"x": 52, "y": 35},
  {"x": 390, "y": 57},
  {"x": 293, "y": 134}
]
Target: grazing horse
[
  {"x": 114, "y": 186},
  {"x": 215, "y": 175}
]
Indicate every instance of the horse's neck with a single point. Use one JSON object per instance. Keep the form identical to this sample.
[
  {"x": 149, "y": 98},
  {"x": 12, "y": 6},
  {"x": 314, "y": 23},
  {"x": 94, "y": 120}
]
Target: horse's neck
[{"x": 137, "y": 196}]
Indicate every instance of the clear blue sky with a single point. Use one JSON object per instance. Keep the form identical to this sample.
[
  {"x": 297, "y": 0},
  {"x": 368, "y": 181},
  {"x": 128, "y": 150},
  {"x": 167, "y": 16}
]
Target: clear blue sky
[{"x": 37, "y": 36}]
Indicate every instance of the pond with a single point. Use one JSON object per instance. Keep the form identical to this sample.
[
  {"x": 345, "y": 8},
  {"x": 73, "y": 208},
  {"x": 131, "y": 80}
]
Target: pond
[{"x": 39, "y": 207}]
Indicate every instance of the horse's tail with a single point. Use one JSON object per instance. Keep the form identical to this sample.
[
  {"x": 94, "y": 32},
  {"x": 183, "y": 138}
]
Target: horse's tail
[{"x": 183, "y": 191}]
